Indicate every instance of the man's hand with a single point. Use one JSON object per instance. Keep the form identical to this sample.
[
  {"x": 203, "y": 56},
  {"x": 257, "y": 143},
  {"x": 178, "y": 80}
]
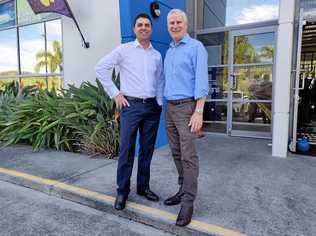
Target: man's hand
[
  {"x": 196, "y": 121},
  {"x": 120, "y": 101}
]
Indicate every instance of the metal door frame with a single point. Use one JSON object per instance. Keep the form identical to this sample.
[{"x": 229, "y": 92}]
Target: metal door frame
[{"x": 232, "y": 35}]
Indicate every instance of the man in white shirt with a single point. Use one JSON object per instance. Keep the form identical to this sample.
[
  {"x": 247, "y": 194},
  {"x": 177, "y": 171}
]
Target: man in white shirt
[{"x": 140, "y": 100}]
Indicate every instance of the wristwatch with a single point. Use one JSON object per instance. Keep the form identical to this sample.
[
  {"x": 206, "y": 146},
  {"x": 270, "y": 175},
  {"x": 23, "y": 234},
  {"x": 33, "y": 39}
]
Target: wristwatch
[{"x": 199, "y": 111}]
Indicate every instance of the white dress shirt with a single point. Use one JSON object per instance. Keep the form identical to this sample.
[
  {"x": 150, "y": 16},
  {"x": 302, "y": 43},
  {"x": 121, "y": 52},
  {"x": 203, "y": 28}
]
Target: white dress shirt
[{"x": 141, "y": 72}]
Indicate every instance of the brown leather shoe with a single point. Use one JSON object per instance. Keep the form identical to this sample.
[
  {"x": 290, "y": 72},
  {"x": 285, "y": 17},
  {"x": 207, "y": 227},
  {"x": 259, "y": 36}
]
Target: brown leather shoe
[{"x": 184, "y": 216}]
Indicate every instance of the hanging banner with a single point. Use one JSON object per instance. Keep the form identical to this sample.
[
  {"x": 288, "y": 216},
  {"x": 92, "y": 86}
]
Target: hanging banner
[{"x": 58, "y": 6}]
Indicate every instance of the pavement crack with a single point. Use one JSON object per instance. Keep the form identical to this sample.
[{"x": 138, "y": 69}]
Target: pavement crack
[{"x": 83, "y": 173}]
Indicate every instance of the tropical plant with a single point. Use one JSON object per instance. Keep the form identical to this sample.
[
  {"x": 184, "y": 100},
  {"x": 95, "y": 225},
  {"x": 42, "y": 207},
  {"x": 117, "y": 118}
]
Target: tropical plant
[
  {"x": 267, "y": 52},
  {"x": 244, "y": 52},
  {"x": 53, "y": 60},
  {"x": 75, "y": 119}
]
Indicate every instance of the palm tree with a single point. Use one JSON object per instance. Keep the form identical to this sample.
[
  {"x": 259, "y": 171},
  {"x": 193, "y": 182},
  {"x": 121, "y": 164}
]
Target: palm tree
[
  {"x": 52, "y": 60},
  {"x": 267, "y": 52},
  {"x": 244, "y": 52}
]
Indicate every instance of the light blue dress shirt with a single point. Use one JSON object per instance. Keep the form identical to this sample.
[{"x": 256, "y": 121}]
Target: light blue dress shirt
[
  {"x": 141, "y": 71},
  {"x": 186, "y": 70}
]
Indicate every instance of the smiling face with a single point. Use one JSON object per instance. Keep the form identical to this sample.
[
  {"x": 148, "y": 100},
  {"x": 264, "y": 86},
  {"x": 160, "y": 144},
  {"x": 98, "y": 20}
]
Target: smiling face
[
  {"x": 177, "y": 26},
  {"x": 142, "y": 29}
]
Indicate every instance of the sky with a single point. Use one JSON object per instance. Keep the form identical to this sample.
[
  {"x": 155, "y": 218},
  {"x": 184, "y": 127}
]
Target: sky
[
  {"x": 247, "y": 11},
  {"x": 237, "y": 12},
  {"x": 31, "y": 41}
]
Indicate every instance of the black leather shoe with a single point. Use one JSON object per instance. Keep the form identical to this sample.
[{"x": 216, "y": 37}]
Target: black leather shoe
[
  {"x": 150, "y": 195},
  {"x": 120, "y": 202},
  {"x": 173, "y": 200},
  {"x": 184, "y": 216}
]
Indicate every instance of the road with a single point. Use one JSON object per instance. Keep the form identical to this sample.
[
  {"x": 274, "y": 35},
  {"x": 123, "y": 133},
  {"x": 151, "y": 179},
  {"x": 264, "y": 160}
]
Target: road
[{"x": 27, "y": 212}]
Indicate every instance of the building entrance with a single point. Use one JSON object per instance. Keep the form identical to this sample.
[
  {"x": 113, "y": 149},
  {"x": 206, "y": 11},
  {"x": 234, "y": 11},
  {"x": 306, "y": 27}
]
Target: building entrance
[
  {"x": 304, "y": 122},
  {"x": 240, "y": 80}
]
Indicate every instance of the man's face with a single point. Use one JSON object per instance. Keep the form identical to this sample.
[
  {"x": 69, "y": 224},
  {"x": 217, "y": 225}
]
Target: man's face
[
  {"x": 142, "y": 29},
  {"x": 177, "y": 27}
]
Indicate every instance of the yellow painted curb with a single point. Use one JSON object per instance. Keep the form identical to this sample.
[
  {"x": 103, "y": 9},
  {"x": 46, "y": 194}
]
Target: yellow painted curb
[{"x": 195, "y": 224}]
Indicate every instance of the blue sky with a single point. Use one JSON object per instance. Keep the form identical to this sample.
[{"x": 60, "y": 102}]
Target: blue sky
[
  {"x": 246, "y": 11},
  {"x": 31, "y": 40}
]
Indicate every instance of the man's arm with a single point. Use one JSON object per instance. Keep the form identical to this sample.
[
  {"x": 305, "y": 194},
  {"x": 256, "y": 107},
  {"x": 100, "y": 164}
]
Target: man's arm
[
  {"x": 160, "y": 82},
  {"x": 201, "y": 88},
  {"x": 104, "y": 69}
]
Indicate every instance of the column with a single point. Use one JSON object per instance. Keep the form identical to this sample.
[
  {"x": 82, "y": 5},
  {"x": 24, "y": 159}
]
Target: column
[{"x": 282, "y": 80}]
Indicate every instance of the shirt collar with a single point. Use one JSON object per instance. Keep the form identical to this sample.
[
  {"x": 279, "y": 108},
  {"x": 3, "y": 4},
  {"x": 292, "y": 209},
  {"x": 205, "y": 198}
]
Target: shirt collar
[
  {"x": 137, "y": 44},
  {"x": 184, "y": 40}
]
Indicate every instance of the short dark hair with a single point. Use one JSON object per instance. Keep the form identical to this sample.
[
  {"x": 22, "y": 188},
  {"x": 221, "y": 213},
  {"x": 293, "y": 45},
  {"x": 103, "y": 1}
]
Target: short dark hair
[{"x": 142, "y": 15}]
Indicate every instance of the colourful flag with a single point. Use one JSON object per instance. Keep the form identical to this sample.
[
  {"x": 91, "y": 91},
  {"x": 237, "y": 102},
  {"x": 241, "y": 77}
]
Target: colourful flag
[{"x": 58, "y": 6}]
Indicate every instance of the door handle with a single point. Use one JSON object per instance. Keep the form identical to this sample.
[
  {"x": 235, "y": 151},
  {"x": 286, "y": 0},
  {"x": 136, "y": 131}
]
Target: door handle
[
  {"x": 303, "y": 78},
  {"x": 234, "y": 85}
]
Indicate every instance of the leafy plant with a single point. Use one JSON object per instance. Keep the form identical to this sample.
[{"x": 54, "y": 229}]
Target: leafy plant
[{"x": 75, "y": 119}]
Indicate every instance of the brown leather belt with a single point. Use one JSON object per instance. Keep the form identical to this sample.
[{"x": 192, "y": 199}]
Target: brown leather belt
[
  {"x": 181, "y": 101},
  {"x": 143, "y": 100}
]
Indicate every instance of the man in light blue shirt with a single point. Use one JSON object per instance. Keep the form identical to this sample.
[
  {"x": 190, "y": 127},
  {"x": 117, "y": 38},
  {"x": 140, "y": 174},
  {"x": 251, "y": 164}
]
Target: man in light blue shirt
[
  {"x": 139, "y": 99},
  {"x": 186, "y": 87}
]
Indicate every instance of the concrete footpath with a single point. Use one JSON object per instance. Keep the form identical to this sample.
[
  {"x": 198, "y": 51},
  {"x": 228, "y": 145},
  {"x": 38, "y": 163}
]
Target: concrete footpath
[{"x": 242, "y": 188}]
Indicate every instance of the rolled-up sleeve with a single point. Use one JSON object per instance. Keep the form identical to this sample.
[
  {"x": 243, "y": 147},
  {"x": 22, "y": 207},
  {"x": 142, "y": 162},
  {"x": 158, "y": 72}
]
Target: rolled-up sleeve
[
  {"x": 104, "y": 69},
  {"x": 201, "y": 73}
]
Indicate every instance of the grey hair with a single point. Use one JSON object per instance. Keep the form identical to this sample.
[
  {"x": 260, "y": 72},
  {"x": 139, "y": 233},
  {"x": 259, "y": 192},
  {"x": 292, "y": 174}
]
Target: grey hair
[{"x": 182, "y": 13}]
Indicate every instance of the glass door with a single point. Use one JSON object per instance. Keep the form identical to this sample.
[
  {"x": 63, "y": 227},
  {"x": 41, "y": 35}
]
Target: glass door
[{"x": 250, "y": 80}]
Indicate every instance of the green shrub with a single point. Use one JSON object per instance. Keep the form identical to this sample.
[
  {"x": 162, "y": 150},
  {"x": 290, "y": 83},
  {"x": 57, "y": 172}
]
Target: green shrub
[{"x": 75, "y": 119}]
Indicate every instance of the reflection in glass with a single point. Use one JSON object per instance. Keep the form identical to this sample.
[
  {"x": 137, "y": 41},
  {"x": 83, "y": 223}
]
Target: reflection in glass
[
  {"x": 8, "y": 53},
  {"x": 251, "y": 116},
  {"x": 5, "y": 81},
  {"x": 216, "y": 45},
  {"x": 27, "y": 16},
  {"x": 32, "y": 42},
  {"x": 54, "y": 82},
  {"x": 215, "y": 116},
  {"x": 257, "y": 48},
  {"x": 39, "y": 82},
  {"x": 218, "y": 82},
  {"x": 54, "y": 47},
  {"x": 253, "y": 83},
  {"x": 219, "y": 13},
  {"x": 7, "y": 13}
]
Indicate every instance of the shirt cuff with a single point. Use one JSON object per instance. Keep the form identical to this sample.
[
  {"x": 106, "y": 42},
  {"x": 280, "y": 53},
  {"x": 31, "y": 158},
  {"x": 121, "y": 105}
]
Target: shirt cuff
[{"x": 159, "y": 100}]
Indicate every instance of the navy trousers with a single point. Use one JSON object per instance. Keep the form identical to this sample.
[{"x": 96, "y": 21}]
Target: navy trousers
[{"x": 142, "y": 117}]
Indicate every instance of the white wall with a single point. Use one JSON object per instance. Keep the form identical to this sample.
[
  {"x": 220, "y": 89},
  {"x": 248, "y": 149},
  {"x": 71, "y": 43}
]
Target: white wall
[
  {"x": 282, "y": 82},
  {"x": 99, "y": 21}
]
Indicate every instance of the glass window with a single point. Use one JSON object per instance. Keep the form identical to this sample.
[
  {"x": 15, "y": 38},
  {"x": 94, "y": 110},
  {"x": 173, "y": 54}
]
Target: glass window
[
  {"x": 8, "y": 53},
  {"x": 308, "y": 4},
  {"x": 258, "y": 48},
  {"x": 6, "y": 81},
  {"x": 32, "y": 49},
  {"x": 218, "y": 82},
  {"x": 216, "y": 45},
  {"x": 215, "y": 116},
  {"x": 7, "y": 13},
  {"x": 54, "y": 46},
  {"x": 39, "y": 82},
  {"x": 27, "y": 16},
  {"x": 219, "y": 13},
  {"x": 54, "y": 82},
  {"x": 253, "y": 83}
]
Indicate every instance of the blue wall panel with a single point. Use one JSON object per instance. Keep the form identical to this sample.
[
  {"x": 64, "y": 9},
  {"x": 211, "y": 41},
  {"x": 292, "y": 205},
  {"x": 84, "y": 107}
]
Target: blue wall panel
[{"x": 129, "y": 9}]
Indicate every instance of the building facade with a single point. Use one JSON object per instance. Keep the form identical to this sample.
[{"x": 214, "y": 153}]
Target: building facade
[{"x": 254, "y": 46}]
